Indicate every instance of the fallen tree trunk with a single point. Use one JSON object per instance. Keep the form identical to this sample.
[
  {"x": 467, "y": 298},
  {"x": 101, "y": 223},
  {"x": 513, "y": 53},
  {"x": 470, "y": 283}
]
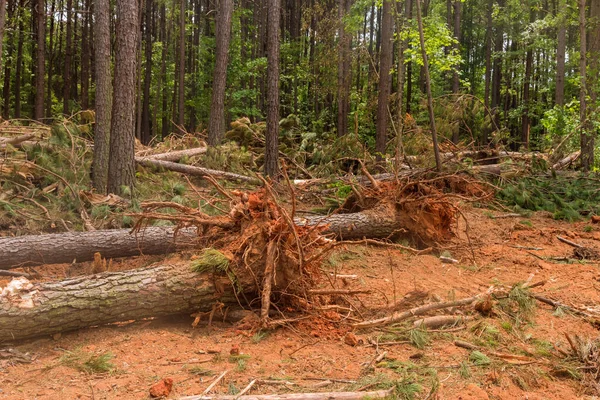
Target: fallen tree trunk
[
  {"x": 298, "y": 396},
  {"x": 176, "y": 155},
  {"x": 54, "y": 307},
  {"x": 65, "y": 247},
  {"x": 15, "y": 252},
  {"x": 195, "y": 171}
]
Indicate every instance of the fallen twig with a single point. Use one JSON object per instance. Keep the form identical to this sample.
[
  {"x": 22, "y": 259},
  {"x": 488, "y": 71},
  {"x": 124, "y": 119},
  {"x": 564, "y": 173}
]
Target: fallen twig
[
  {"x": 567, "y": 241},
  {"x": 215, "y": 382}
]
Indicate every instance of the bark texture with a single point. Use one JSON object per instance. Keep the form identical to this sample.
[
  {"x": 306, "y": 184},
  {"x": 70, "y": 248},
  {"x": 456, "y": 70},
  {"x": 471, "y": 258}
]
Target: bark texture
[
  {"x": 81, "y": 246},
  {"x": 216, "y": 127},
  {"x": 40, "y": 59},
  {"x": 272, "y": 135},
  {"x": 121, "y": 166},
  {"x": 380, "y": 222},
  {"x": 103, "y": 95},
  {"x": 385, "y": 79},
  {"x": 53, "y": 307}
]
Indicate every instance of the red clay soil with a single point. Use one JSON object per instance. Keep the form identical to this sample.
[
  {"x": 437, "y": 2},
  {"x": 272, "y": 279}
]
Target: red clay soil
[{"x": 147, "y": 352}]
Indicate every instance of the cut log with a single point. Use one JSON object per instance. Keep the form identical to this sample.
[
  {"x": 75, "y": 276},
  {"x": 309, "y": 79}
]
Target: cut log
[
  {"x": 195, "y": 171},
  {"x": 54, "y": 307},
  {"x": 381, "y": 222},
  {"x": 177, "y": 155},
  {"x": 5, "y": 141},
  {"x": 80, "y": 246}
]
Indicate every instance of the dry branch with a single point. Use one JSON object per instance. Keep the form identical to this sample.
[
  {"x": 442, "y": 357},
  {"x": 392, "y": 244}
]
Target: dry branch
[
  {"x": 195, "y": 171},
  {"x": 177, "y": 155}
]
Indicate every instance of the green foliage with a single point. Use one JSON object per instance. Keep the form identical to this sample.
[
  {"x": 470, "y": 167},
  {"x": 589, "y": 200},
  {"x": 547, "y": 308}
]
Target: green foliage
[
  {"x": 418, "y": 338},
  {"x": 89, "y": 363},
  {"x": 479, "y": 359},
  {"x": 567, "y": 198},
  {"x": 210, "y": 260}
]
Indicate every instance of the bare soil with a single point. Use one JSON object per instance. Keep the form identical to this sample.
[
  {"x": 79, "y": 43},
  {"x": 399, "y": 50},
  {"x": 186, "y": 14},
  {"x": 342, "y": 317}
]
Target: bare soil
[{"x": 147, "y": 351}]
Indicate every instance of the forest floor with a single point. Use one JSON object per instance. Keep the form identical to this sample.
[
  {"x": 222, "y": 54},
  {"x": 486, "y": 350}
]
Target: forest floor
[{"x": 427, "y": 364}]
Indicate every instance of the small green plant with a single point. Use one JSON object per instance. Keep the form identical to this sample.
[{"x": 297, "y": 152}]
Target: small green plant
[
  {"x": 211, "y": 260},
  {"x": 241, "y": 365},
  {"x": 200, "y": 371},
  {"x": 407, "y": 389},
  {"x": 236, "y": 358},
  {"x": 89, "y": 363},
  {"x": 478, "y": 358},
  {"x": 588, "y": 228},
  {"x": 526, "y": 222},
  {"x": 260, "y": 336},
  {"x": 464, "y": 371},
  {"x": 418, "y": 338},
  {"x": 232, "y": 389}
]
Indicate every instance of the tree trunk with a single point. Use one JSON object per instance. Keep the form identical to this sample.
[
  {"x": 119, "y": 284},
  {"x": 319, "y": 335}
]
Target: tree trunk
[
  {"x": 380, "y": 222},
  {"x": 457, "y": 36},
  {"x": 163, "y": 72},
  {"x": 344, "y": 72},
  {"x": 2, "y": 25},
  {"x": 121, "y": 165},
  {"x": 40, "y": 60},
  {"x": 561, "y": 48},
  {"x": 216, "y": 122},
  {"x": 19, "y": 68},
  {"x": 271, "y": 167},
  {"x": 587, "y": 138},
  {"x": 436, "y": 150},
  {"x": 146, "y": 134},
  {"x": 85, "y": 58},
  {"x": 53, "y": 307},
  {"x": 497, "y": 73},
  {"x": 103, "y": 105},
  {"x": 181, "y": 71},
  {"x": 68, "y": 57},
  {"x": 408, "y": 11},
  {"x": 191, "y": 170},
  {"x": 385, "y": 81},
  {"x": 81, "y": 246}
]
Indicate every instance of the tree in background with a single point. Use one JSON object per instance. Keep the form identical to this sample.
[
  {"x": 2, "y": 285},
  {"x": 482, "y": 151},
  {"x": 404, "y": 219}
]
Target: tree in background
[
  {"x": 216, "y": 121},
  {"x": 272, "y": 134},
  {"x": 121, "y": 163}
]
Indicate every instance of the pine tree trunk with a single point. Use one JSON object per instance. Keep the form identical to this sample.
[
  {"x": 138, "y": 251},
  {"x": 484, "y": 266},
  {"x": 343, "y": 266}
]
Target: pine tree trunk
[
  {"x": 561, "y": 47},
  {"x": 8, "y": 62},
  {"x": 103, "y": 105},
  {"x": 216, "y": 122},
  {"x": 40, "y": 60},
  {"x": 271, "y": 167},
  {"x": 68, "y": 59},
  {"x": 85, "y": 58},
  {"x": 146, "y": 134},
  {"x": 19, "y": 68},
  {"x": 181, "y": 70},
  {"x": 385, "y": 81},
  {"x": 344, "y": 72},
  {"x": 587, "y": 137},
  {"x": 121, "y": 165},
  {"x": 2, "y": 25},
  {"x": 52, "y": 307}
]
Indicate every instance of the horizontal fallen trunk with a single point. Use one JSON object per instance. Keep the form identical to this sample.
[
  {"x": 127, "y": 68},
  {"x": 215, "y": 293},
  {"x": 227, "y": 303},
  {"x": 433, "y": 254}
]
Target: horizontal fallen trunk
[
  {"x": 194, "y": 171},
  {"x": 5, "y": 141},
  {"x": 176, "y": 155},
  {"x": 53, "y": 307},
  {"x": 380, "y": 394},
  {"x": 65, "y": 247}
]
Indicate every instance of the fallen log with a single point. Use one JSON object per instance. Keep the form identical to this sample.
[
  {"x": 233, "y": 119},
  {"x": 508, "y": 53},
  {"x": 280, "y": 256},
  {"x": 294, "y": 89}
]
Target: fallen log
[
  {"x": 57, "y": 248},
  {"x": 194, "y": 171},
  {"x": 53, "y": 307},
  {"x": 5, "y": 141},
  {"x": 177, "y": 155},
  {"x": 66, "y": 247}
]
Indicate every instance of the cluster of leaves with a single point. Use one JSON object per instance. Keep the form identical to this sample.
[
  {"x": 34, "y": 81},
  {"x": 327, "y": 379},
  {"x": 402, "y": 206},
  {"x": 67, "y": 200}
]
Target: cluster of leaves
[{"x": 568, "y": 198}]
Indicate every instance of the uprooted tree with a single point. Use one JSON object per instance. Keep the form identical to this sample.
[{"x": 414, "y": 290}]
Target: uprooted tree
[{"x": 257, "y": 256}]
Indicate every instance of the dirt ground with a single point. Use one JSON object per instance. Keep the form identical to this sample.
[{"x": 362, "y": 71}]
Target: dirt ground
[{"x": 144, "y": 352}]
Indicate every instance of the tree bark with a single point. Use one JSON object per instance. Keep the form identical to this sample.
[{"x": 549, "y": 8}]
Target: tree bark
[
  {"x": 85, "y": 57},
  {"x": 191, "y": 170},
  {"x": 216, "y": 123},
  {"x": 344, "y": 72},
  {"x": 68, "y": 57},
  {"x": 40, "y": 60},
  {"x": 146, "y": 134},
  {"x": 177, "y": 155},
  {"x": 380, "y": 222},
  {"x": 271, "y": 167},
  {"x": 181, "y": 71},
  {"x": 561, "y": 48},
  {"x": 121, "y": 165},
  {"x": 103, "y": 104},
  {"x": 385, "y": 81},
  {"x": 587, "y": 138},
  {"x": 3, "y": 6},
  {"x": 65, "y": 247},
  {"x": 53, "y": 307}
]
